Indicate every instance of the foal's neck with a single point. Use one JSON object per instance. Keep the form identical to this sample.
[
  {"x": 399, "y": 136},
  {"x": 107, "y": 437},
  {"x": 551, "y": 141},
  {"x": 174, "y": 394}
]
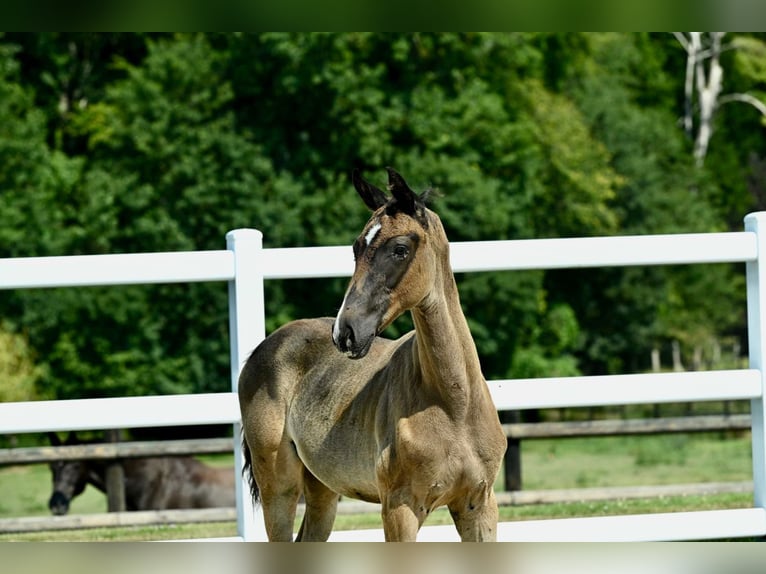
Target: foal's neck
[
  {"x": 97, "y": 475},
  {"x": 446, "y": 352}
]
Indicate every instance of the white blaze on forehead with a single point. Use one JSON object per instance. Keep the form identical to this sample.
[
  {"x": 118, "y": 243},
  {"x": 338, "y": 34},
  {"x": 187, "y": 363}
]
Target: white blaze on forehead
[{"x": 372, "y": 233}]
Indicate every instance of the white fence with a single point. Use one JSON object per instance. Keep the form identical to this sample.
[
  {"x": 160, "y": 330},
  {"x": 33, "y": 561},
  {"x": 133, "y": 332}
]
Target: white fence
[{"x": 245, "y": 265}]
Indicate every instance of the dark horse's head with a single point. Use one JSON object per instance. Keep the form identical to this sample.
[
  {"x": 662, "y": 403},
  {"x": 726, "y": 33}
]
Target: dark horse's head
[
  {"x": 70, "y": 477},
  {"x": 396, "y": 258}
]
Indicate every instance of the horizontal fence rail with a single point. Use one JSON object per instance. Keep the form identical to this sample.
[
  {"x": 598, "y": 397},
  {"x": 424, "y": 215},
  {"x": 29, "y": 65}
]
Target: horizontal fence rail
[
  {"x": 617, "y": 251},
  {"x": 619, "y": 427},
  {"x": 548, "y": 393},
  {"x": 116, "y": 519},
  {"x": 337, "y": 261},
  {"x": 528, "y": 254},
  {"x": 120, "y": 269},
  {"x": 672, "y": 526},
  {"x": 118, "y": 413},
  {"x": 542, "y": 430},
  {"x": 245, "y": 265},
  {"x": 520, "y": 394},
  {"x": 114, "y": 450}
]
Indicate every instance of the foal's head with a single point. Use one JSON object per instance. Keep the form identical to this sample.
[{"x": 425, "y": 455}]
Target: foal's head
[
  {"x": 70, "y": 477},
  {"x": 397, "y": 256}
]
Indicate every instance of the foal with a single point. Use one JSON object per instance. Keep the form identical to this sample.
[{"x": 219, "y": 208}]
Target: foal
[
  {"x": 408, "y": 423},
  {"x": 154, "y": 483}
]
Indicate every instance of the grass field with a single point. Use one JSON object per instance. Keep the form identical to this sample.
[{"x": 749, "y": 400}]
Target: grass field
[{"x": 547, "y": 464}]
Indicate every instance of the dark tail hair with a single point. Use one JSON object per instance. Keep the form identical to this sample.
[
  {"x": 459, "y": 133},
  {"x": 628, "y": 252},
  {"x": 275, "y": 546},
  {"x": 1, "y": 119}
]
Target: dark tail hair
[{"x": 247, "y": 470}]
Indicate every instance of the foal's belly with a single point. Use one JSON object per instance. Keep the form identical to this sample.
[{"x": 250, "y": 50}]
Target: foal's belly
[
  {"x": 341, "y": 462},
  {"x": 331, "y": 421},
  {"x": 346, "y": 478}
]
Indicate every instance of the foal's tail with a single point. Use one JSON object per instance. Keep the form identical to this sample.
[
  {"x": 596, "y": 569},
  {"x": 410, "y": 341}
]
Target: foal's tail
[{"x": 247, "y": 469}]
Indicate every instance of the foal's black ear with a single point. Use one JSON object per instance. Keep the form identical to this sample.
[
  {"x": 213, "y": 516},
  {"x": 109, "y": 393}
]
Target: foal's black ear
[
  {"x": 372, "y": 196},
  {"x": 72, "y": 438},
  {"x": 54, "y": 438},
  {"x": 406, "y": 199}
]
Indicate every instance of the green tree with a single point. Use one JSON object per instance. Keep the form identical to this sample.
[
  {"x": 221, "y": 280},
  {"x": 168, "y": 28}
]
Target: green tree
[
  {"x": 165, "y": 170},
  {"x": 129, "y": 143},
  {"x": 31, "y": 179},
  {"x": 30, "y": 173},
  {"x": 628, "y": 98},
  {"x": 18, "y": 371},
  {"x": 466, "y": 114}
]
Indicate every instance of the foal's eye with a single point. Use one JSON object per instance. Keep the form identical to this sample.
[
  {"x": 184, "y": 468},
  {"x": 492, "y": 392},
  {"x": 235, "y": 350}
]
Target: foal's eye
[{"x": 401, "y": 252}]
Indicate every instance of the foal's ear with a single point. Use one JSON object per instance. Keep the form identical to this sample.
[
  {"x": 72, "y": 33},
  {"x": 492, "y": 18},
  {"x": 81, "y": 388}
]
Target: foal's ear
[
  {"x": 54, "y": 438},
  {"x": 406, "y": 199},
  {"x": 371, "y": 195}
]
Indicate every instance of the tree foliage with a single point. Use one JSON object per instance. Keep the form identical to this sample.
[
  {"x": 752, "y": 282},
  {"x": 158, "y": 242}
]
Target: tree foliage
[
  {"x": 116, "y": 143},
  {"x": 18, "y": 372}
]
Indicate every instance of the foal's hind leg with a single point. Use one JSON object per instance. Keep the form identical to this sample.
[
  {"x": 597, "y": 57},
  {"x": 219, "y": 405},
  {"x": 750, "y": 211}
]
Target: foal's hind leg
[
  {"x": 279, "y": 474},
  {"x": 321, "y": 506}
]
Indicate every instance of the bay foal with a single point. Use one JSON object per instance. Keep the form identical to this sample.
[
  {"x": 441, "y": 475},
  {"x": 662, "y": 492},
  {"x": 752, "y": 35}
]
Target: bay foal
[{"x": 408, "y": 423}]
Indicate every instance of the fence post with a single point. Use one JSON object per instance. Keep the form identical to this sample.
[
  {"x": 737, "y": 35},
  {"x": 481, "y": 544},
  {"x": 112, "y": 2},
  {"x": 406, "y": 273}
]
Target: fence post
[
  {"x": 115, "y": 477},
  {"x": 247, "y": 328},
  {"x": 512, "y": 458},
  {"x": 756, "y": 330}
]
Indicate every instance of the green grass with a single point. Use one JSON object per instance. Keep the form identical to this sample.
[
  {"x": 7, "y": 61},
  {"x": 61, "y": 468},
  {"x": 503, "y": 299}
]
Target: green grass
[
  {"x": 547, "y": 464},
  {"x": 26, "y": 490},
  {"x": 634, "y": 460}
]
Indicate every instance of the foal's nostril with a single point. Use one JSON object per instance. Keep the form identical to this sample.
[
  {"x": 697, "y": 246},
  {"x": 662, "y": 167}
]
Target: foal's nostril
[
  {"x": 343, "y": 336},
  {"x": 347, "y": 339}
]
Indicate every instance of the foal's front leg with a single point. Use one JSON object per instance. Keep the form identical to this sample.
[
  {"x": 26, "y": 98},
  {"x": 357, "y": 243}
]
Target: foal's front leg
[
  {"x": 401, "y": 517},
  {"x": 476, "y": 516}
]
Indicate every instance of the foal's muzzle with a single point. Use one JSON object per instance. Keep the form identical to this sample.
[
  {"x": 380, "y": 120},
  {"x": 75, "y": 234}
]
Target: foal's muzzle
[
  {"x": 59, "y": 504},
  {"x": 354, "y": 338},
  {"x": 357, "y": 324}
]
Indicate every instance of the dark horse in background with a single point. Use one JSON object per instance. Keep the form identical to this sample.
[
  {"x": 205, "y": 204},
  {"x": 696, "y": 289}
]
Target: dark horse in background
[{"x": 155, "y": 483}]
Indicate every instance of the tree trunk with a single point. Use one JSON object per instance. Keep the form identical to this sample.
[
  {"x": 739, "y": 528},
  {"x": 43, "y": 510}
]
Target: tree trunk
[
  {"x": 708, "y": 86},
  {"x": 708, "y": 89},
  {"x": 678, "y": 366},
  {"x": 656, "y": 364}
]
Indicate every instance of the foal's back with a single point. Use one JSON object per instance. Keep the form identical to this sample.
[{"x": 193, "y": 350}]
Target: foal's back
[{"x": 176, "y": 482}]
